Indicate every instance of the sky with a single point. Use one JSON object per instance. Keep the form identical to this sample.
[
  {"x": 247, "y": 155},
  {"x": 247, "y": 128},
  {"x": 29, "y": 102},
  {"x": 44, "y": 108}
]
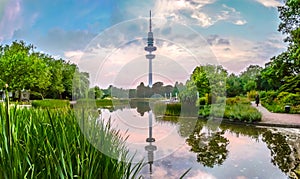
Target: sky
[{"x": 107, "y": 37}]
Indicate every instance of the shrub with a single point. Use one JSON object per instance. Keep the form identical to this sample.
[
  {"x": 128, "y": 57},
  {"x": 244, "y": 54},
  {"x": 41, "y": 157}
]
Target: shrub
[
  {"x": 282, "y": 95},
  {"x": 292, "y": 99},
  {"x": 221, "y": 100},
  {"x": 251, "y": 94},
  {"x": 231, "y": 101},
  {"x": 277, "y": 103},
  {"x": 202, "y": 101},
  {"x": 262, "y": 94}
]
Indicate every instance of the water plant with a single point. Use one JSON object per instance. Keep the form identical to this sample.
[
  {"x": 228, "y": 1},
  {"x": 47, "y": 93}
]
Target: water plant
[{"x": 50, "y": 144}]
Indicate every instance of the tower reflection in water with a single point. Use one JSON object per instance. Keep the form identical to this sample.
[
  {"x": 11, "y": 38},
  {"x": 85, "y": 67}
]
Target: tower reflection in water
[{"x": 150, "y": 148}]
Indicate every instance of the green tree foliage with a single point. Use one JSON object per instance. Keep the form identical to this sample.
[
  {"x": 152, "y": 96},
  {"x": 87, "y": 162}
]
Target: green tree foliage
[
  {"x": 80, "y": 85},
  {"x": 289, "y": 15},
  {"x": 44, "y": 76},
  {"x": 249, "y": 78},
  {"x": 210, "y": 79},
  {"x": 200, "y": 79},
  {"x": 95, "y": 92},
  {"x": 284, "y": 69},
  {"x": 188, "y": 95},
  {"x": 233, "y": 86},
  {"x": 23, "y": 68}
]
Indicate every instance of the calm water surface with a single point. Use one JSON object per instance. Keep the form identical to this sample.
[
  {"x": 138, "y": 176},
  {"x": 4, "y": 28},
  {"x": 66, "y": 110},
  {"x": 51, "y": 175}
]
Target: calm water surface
[{"x": 209, "y": 151}]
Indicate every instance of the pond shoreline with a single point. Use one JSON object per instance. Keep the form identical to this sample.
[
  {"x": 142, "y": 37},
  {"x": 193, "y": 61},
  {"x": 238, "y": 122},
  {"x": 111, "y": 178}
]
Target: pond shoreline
[{"x": 261, "y": 123}]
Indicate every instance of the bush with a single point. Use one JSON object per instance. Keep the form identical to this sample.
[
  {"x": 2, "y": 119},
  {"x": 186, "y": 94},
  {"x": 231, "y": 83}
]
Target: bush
[
  {"x": 291, "y": 99},
  {"x": 282, "y": 95},
  {"x": 277, "y": 103},
  {"x": 231, "y": 101},
  {"x": 262, "y": 94},
  {"x": 202, "y": 101},
  {"x": 251, "y": 94},
  {"x": 221, "y": 100},
  {"x": 50, "y": 103}
]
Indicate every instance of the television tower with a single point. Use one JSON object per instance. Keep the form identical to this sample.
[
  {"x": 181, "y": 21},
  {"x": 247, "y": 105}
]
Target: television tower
[{"x": 150, "y": 48}]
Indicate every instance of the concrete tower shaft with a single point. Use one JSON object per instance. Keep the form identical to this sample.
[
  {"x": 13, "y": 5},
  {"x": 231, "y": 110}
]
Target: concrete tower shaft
[{"x": 150, "y": 48}]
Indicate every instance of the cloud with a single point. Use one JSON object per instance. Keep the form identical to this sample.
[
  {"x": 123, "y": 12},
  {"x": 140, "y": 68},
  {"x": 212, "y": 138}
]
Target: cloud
[
  {"x": 73, "y": 56},
  {"x": 216, "y": 40},
  {"x": 240, "y": 53},
  {"x": 270, "y": 3},
  {"x": 195, "y": 12},
  {"x": 11, "y": 19},
  {"x": 230, "y": 14}
]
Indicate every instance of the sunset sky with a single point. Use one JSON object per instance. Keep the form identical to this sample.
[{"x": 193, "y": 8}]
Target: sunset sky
[{"x": 236, "y": 32}]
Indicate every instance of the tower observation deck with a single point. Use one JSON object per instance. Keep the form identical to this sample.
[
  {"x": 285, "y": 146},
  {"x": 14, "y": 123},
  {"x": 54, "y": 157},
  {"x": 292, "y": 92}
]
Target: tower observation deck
[{"x": 150, "y": 48}]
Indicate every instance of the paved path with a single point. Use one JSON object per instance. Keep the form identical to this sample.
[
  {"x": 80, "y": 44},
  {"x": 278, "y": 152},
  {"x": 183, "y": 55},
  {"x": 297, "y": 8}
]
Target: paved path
[{"x": 278, "y": 119}]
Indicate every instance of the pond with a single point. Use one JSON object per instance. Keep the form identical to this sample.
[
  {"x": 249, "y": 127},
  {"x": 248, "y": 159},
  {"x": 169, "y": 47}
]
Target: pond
[{"x": 170, "y": 146}]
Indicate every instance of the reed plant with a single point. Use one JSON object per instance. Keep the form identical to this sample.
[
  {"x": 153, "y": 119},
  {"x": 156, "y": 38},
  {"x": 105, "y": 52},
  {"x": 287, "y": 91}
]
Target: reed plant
[{"x": 40, "y": 143}]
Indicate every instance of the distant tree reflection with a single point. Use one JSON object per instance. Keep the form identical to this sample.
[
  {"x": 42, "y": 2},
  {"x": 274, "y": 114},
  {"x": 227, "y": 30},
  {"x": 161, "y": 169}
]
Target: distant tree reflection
[
  {"x": 141, "y": 106},
  {"x": 210, "y": 147}
]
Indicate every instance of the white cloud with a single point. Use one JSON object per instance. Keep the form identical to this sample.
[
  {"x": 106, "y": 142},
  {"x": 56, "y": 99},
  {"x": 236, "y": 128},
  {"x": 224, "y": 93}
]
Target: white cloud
[
  {"x": 73, "y": 56},
  {"x": 195, "y": 12},
  {"x": 240, "y": 22},
  {"x": 270, "y": 3},
  {"x": 11, "y": 19},
  {"x": 240, "y": 53}
]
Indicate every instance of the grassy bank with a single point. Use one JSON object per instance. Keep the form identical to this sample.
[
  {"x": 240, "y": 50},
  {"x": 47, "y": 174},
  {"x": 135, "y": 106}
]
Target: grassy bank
[
  {"x": 237, "y": 108},
  {"x": 174, "y": 109},
  {"x": 49, "y": 144}
]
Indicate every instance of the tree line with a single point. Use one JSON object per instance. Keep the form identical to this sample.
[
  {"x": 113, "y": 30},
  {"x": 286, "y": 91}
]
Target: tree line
[{"x": 22, "y": 68}]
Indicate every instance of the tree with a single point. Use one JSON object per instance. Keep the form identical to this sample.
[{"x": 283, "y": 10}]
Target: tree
[
  {"x": 56, "y": 88},
  {"x": 188, "y": 95},
  {"x": 23, "y": 68},
  {"x": 80, "y": 85},
  {"x": 210, "y": 81},
  {"x": 68, "y": 71},
  {"x": 143, "y": 91},
  {"x": 200, "y": 79},
  {"x": 157, "y": 88},
  {"x": 285, "y": 68},
  {"x": 289, "y": 15},
  {"x": 95, "y": 92},
  {"x": 249, "y": 78},
  {"x": 233, "y": 86}
]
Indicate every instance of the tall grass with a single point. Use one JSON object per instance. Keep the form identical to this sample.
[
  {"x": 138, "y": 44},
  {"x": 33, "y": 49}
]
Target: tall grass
[{"x": 50, "y": 144}]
